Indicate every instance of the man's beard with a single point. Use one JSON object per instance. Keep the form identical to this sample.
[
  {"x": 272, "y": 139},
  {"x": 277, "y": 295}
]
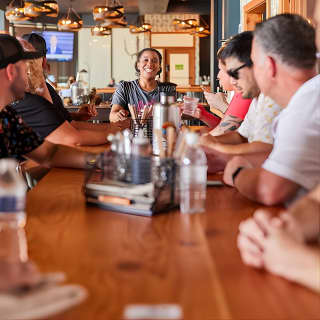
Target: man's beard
[{"x": 252, "y": 93}]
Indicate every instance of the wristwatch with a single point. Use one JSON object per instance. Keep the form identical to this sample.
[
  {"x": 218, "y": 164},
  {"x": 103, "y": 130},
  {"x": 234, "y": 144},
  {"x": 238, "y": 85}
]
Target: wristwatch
[
  {"x": 91, "y": 160},
  {"x": 234, "y": 175}
]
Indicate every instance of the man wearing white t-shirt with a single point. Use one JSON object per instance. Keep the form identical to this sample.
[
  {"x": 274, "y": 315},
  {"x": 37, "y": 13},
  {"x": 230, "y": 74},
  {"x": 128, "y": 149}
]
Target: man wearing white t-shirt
[
  {"x": 284, "y": 57},
  {"x": 255, "y": 133}
]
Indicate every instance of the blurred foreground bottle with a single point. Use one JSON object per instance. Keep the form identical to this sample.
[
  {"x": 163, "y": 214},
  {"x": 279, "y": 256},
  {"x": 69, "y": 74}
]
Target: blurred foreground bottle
[
  {"x": 80, "y": 88},
  {"x": 13, "y": 245},
  {"x": 193, "y": 176}
]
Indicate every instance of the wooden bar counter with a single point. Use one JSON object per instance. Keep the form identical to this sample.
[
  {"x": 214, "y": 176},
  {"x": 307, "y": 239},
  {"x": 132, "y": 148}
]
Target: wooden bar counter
[{"x": 190, "y": 260}]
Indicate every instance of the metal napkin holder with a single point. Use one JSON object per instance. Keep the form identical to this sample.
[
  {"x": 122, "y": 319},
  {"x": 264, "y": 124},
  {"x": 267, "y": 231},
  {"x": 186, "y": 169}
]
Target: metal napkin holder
[{"x": 114, "y": 169}]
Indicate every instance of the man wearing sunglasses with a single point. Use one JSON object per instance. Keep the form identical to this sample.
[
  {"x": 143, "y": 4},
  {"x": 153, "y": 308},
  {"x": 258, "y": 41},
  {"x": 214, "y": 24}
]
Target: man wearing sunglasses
[
  {"x": 254, "y": 134},
  {"x": 284, "y": 56}
]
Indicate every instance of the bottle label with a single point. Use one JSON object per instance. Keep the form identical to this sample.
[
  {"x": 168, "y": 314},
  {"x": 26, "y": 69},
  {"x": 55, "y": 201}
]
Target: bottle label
[
  {"x": 11, "y": 204},
  {"x": 192, "y": 175}
]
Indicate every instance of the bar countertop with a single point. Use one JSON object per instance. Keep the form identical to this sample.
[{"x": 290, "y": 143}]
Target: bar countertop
[{"x": 189, "y": 260}]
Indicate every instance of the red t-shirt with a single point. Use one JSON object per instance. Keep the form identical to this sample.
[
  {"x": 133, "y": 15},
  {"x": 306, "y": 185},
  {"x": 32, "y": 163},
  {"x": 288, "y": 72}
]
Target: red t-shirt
[{"x": 238, "y": 106}]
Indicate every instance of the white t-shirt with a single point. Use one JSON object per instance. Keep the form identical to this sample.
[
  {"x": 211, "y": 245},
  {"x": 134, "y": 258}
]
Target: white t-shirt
[
  {"x": 257, "y": 125},
  {"x": 296, "y": 151}
]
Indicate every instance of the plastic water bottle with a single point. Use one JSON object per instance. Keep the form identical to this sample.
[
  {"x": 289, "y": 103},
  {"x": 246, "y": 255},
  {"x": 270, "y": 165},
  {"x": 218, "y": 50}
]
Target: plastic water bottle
[
  {"x": 193, "y": 176},
  {"x": 141, "y": 159},
  {"x": 13, "y": 245}
]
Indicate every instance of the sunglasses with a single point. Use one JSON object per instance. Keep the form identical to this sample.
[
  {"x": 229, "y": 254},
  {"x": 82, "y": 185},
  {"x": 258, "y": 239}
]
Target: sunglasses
[{"x": 234, "y": 73}]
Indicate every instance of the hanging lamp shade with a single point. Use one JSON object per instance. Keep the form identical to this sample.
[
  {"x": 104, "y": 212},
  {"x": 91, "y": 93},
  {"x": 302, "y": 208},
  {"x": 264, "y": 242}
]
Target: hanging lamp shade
[
  {"x": 141, "y": 26},
  {"x": 15, "y": 11},
  {"x": 72, "y": 22},
  {"x": 100, "y": 30},
  {"x": 118, "y": 23},
  {"x": 192, "y": 26},
  {"x": 200, "y": 32},
  {"x": 185, "y": 24},
  {"x": 112, "y": 10},
  {"x": 36, "y": 8}
]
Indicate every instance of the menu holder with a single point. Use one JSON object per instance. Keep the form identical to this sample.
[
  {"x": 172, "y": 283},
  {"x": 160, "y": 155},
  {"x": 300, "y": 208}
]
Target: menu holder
[{"x": 138, "y": 199}]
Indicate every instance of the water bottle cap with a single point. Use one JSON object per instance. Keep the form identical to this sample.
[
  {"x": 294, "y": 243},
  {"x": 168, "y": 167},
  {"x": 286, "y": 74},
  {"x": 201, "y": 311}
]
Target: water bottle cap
[{"x": 192, "y": 138}]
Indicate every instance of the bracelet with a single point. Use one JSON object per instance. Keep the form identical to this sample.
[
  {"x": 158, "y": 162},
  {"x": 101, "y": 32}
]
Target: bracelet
[{"x": 234, "y": 175}]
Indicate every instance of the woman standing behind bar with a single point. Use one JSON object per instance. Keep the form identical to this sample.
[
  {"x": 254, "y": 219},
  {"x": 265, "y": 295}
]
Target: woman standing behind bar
[{"x": 139, "y": 92}]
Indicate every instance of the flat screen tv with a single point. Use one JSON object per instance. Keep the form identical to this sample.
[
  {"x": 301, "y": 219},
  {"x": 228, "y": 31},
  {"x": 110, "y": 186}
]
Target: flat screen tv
[{"x": 59, "y": 45}]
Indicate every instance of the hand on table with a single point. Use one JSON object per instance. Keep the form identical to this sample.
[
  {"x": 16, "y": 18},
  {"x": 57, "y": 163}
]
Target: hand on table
[
  {"x": 266, "y": 241},
  {"x": 18, "y": 274},
  {"x": 216, "y": 160},
  {"x": 232, "y": 166}
]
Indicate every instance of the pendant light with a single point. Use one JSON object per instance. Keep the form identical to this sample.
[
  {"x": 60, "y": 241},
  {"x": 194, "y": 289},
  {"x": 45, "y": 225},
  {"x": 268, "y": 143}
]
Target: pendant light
[
  {"x": 185, "y": 24},
  {"x": 37, "y": 8},
  {"x": 192, "y": 25},
  {"x": 72, "y": 22},
  {"x": 141, "y": 26},
  {"x": 112, "y": 10},
  {"x": 15, "y": 11},
  {"x": 100, "y": 30}
]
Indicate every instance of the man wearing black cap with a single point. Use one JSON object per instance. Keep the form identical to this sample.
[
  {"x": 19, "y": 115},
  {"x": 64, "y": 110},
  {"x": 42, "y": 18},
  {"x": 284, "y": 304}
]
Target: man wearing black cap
[
  {"x": 85, "y": 112},
  {"x": 45, "y": 113},
  {"x": 17, "y": 139}
]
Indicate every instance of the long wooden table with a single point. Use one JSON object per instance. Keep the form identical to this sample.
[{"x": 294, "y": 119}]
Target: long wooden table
[{"x": 190, "y": 260}]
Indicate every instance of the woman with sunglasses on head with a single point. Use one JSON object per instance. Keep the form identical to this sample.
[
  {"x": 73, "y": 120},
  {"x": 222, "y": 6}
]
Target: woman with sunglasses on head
[
  {"x": 234, "y": 111},
  {"x": 139, "y": 92}
]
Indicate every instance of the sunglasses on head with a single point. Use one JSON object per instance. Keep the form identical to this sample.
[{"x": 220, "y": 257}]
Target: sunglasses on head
[{"x": 234, "y": 73}]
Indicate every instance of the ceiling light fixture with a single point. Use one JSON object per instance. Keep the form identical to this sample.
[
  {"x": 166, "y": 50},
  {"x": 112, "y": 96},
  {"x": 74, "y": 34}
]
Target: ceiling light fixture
[
  {"x": 192, "y": 26},
  {"x": 15, "y": 11},
  {"x": 100, "y": 30},
  {"x": 112, "y": 10},
  {"x": 141, "y": 26},
  {"x": 37, "y": 8},
  {"x": 72, "y": 22},
  {"x": 185, "y": 24}
]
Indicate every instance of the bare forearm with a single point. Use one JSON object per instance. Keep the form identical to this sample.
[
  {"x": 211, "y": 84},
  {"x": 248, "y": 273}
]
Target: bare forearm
[
  {"x": 52, "y": 155},
  {"x": 89, "y": 126},
  {"x": 307, "y": 272},
  {"x": 227, "y": 124},
  {"x": 67, "y": 157},
  {"x": 244, "y": 148},
  {"x": 263, "y": 186},
  {"x": 91, "y": 137},
  {"x": 307, "y": 212},
  {"x": 230, "y": 138},
  {"x": 247, "y": 184}
]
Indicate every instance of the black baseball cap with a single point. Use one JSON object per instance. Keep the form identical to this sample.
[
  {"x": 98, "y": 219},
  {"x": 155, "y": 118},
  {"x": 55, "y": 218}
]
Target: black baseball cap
[
  {"x": 37, "y": 42},
  {"x": 11, "y": 51}
]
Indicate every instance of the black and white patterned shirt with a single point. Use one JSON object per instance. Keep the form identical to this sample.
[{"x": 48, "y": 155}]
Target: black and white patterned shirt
[{"x": 16, "y": 138}]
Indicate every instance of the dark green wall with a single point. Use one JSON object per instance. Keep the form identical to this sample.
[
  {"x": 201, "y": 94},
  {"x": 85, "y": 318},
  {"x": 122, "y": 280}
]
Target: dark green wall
[
  {"x": 232, "y": 16},
  {"x": 2, "y": 22}
]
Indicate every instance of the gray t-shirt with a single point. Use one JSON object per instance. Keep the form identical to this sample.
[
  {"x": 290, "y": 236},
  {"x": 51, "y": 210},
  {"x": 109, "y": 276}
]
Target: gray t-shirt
[{"x": 130, "y": 92}]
